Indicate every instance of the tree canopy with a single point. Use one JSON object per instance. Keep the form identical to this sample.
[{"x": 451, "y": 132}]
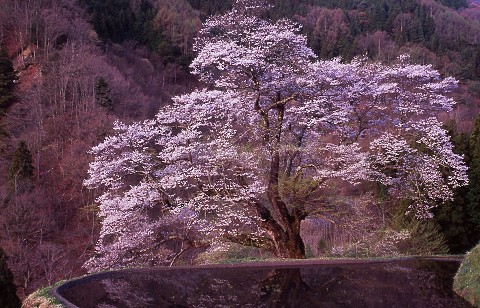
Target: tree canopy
[{"x": 247, "y": 158}]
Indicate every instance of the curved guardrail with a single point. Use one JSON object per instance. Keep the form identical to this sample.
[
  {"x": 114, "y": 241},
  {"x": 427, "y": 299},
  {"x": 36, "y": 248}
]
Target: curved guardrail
[{"x": 190, "y": 279}]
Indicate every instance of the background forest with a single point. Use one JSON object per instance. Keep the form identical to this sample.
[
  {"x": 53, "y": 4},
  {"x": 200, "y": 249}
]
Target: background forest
[{"x": 69, "y": 69}]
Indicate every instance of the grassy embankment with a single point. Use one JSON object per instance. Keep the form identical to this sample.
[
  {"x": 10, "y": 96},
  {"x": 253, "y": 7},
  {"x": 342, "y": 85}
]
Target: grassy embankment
[
  {"x": 42, "y": 298},
  {"x": 467, "y": 280}
]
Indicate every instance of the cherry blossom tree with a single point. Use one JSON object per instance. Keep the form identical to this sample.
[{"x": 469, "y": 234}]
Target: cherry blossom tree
[{"x": 247, "y": 157}]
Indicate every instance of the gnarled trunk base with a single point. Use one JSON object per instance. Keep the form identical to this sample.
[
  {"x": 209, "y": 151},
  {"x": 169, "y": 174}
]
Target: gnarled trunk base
[{"x": 289, "y": 245}]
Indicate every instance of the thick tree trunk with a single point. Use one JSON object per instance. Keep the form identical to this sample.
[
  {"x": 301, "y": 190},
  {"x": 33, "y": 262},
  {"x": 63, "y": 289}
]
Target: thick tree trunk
[
  {"x": 293, "y": 248},
  {"x": 286, "y": 236},
  {"x": 296, "y": 247},
  {"x": 289, "y": 242}
]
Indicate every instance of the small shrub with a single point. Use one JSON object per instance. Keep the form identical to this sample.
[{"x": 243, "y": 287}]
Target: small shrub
[
  {"x": 414, "y": 237},
  {"x": 359, "y": 249},
  {"x": 322, "y": 246},
  {"x": 425, "y": 239},
  {"x": 308, "y": 252}
]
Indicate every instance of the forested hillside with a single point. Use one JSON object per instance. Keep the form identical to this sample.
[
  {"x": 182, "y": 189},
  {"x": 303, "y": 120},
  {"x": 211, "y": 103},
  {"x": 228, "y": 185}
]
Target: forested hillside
[
  {"x": 62, "y": 87},
  {"x": 70, "y": 69}
]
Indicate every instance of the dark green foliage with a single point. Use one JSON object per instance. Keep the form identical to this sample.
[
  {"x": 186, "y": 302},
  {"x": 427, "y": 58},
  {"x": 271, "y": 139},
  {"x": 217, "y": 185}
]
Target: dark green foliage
[
  {"x": 113, "y": 19},
  {"x": 373, "y": 6},
  {"x": 364, "y": 18},
  {"x": 407, "y": 23},
  {"x": 103, "y": 96},
  {"x": 211, "y": 7},
  {"x": 456, "y": 4},
  {"x": 333, "y": 4},
  {"x": 474, "y": 88},
  {"x": 460, "y": 218},
  {"x": 21, "y": 168},
  {"x": 452, "y": 215},
  {"x": 426, "y": 236},
  {"x": 8, "y": 297},
  {"x": 471, "y": 56},
  {"x": 362, "y": 4},
  {"x": 422, "y": 27},
  {"x": 8, "y": 77},
  {"x": 473, "y": 195},
  {"x": 452, "y": 218},
  {"x": 470, "y": 60},
  {"x": 118, "y": 21}
]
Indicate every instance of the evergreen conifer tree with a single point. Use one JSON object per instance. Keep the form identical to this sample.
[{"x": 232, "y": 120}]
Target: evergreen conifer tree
[
  {"x": 8, "y": 297},
  {"x": 21, "y": 169},
  {"x": 7, "y": 80},
  {"x": 103, "y": 96}
]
